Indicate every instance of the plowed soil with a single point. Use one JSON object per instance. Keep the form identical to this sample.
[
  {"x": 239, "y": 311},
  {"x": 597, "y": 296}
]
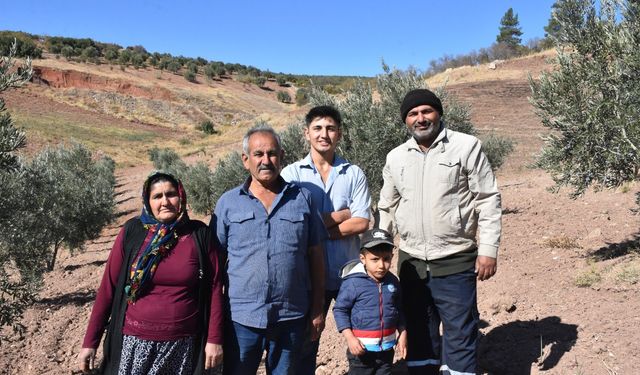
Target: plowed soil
[{"x": 539, "y": 315}]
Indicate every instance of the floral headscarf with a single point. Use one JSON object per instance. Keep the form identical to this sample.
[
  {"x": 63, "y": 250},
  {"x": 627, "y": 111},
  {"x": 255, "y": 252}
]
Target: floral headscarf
[{"x": 163, "y": 240}]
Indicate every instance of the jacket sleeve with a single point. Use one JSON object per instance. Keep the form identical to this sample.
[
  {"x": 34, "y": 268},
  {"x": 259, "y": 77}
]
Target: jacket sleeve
[
  {"x": 216, "y": 314},
  {"x": 343, "y": 305},
  {"x": 104, "y": 296},
  {"x": 483, "y": 186},
  {"x": 389, "y": 199},
  {"x": 402, "y": 322}
]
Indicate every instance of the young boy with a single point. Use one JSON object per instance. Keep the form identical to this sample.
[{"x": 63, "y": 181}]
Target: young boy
[{"x": 367, "y": 310}]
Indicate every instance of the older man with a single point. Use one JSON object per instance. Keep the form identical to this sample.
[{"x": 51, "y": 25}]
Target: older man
[
  {"x": 271, "y": 232},
  {"x": 440, "y": 192}
]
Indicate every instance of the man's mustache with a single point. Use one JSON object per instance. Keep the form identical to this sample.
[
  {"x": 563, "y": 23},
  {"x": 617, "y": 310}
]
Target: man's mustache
[{"x": 263, "y": 167}]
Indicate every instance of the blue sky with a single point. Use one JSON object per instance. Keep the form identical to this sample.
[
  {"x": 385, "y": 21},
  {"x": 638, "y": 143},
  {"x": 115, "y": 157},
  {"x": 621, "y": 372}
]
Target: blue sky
[{"x": 303, "y": 37}]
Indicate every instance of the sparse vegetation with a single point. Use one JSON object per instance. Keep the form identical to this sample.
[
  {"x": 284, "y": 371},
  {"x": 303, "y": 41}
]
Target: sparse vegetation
[
  {"x": 302, "y": 96},
  {"x": 260, "y": 81},
  {"x": 207, "y": 127},
  {"x": 189, "y": 76},
  {"x": 629, "y": 274},
  {"x": 284, "y": 97},
  {"x": 589, "y": 277},
  {"x": 561, "y": 242}
]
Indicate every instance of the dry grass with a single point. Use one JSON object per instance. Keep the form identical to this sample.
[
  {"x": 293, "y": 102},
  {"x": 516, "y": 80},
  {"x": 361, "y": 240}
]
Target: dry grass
[
  {"x": 127, "y": 146},
  {"x": 629, "y": 273},
  {"x": 507, "y": 70},
  {"x": 561, "y": 242},
  {"x": 589, "y": 277}
]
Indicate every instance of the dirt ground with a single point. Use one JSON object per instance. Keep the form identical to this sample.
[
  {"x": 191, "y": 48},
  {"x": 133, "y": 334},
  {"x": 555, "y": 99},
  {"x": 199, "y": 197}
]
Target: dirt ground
[{"x": 536, "y": 319}]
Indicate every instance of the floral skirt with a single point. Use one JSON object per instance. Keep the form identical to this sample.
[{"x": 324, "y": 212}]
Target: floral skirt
[{"x": 144, "y": 357}]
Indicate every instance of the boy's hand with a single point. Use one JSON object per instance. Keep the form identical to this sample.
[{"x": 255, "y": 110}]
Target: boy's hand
[
  {"x": 355, "y": 346},
  {"x": 401, "y": 345}
]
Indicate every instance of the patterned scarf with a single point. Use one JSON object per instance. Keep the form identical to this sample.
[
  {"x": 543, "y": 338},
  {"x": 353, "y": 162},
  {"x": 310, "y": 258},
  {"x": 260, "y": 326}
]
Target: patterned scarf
[{"x": 164, "y": 238}]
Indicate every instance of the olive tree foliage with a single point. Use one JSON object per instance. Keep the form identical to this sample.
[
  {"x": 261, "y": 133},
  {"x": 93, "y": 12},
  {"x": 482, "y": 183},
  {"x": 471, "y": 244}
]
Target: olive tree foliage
[
  {"x": 17, "y": 287},
  {"x": 198, "y": 179},
  {"x": 590, "y": 102},
  {"x": 11, "y": 138},
  {"x": 62, "y": 197},
  {"x": 71, "y": 199},
  {"x": 371, "y": 125}
]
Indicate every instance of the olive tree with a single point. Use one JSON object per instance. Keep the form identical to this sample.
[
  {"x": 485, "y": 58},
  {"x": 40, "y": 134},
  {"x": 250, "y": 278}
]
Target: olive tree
[
  {"x": 17, "y": 286},
  {"x": 63, "y": 197},
  {"x": 371, "y": 124},
  {"x": 590, "y": 102}
]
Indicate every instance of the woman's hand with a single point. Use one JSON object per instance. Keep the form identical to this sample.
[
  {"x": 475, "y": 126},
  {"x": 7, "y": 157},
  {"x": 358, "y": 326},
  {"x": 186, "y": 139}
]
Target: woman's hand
[
  {"x": 86, "y": 359},
  {"x": 212, "y": 355}
]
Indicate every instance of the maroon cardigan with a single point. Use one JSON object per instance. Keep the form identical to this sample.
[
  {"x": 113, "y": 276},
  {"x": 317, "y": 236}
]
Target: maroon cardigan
[{"x": 169, "y": 308}]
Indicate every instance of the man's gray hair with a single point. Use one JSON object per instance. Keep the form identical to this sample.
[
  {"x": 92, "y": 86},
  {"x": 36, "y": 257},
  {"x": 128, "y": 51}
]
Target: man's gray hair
[{"x": 260, "y": 128}]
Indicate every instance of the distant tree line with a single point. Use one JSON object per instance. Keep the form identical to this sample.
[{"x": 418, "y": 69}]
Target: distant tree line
[{"x": 90, "y": 51}]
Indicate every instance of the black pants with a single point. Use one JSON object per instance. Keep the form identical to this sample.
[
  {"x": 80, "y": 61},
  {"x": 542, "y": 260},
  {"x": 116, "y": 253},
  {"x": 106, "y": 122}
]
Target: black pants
[{"x": 371, "y": 363}]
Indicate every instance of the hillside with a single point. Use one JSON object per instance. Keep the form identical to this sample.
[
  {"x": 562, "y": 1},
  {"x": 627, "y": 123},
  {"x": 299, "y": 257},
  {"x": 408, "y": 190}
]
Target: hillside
[
  {"x": 108, "y": 108},
  {"x": 563, "y": 302}
]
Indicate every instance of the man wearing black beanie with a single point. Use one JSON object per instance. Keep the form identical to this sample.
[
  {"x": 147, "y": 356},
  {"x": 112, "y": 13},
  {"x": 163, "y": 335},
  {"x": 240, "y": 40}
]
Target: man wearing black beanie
[{"x": 439, "y": 192}]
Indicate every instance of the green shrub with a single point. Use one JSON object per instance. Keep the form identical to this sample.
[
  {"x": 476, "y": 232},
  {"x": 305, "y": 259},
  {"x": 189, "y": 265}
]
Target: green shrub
[
  {"x": 293, "y": 143},
  {"x": 174, "y": 66},
  {"x": 260, "y": 81},
  {"x": 198, "y": 182},
  {"x": 25, "y": 45},
  {"x": 302, "y": 96},
  {"x": 207, "y": 127},
  {"x": 166, "y": 159},
  {"x": 189, "y": 76},
  {"x": 497, "y": 149},
  {"x": 281, "y": 81},
  {"x": 284, "y": 97},
  {"x": 229, "y": 173}
]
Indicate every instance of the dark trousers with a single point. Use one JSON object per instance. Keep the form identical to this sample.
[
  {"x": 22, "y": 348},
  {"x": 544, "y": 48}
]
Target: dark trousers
[
  {"x": 449, "y": 299},
  {"x": 371, "y": 363},
  {"x": 244, "y": 347},
  {"x": 307, "y": 362}
]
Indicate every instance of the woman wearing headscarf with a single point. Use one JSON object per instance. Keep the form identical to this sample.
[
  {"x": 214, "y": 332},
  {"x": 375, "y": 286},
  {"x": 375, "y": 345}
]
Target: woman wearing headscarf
[{"x": 160, "y": 298}]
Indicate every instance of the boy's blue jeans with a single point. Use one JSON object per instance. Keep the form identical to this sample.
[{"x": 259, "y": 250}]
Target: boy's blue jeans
[{"x": 244, "y": 347}]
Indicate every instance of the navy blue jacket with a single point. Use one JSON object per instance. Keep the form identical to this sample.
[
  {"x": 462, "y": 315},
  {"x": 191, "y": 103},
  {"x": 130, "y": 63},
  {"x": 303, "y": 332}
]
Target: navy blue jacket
[{"x": 371, "y": 309}]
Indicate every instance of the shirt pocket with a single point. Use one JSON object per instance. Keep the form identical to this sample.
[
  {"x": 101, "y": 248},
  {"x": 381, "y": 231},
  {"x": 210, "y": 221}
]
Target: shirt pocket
[
  {"x": 291, "y": 231},
  {"x": 242, "y": 228},
  {"x": 448, "y": 171}
]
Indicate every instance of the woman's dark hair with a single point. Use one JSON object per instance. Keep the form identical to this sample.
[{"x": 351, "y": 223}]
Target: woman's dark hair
[{"x": 161, "y": 177}]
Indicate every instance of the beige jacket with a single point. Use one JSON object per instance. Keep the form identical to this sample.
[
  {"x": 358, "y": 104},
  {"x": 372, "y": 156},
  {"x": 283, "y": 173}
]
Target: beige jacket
[{"x": 439, "y": 199}]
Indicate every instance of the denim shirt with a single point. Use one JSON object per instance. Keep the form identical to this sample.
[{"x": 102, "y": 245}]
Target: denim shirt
[
  {"x": 267, "y": 253},
  {"x": 346, "y": 187}
]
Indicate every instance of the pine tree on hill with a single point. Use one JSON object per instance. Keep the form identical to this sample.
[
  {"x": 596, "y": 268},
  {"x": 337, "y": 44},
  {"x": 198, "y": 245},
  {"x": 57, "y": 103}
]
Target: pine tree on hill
[{"x": 510, "y": 31}]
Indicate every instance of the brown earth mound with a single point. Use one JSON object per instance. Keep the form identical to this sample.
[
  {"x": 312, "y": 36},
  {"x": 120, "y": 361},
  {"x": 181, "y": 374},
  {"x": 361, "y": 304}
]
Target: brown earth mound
[{"x": 72, "y": 78}]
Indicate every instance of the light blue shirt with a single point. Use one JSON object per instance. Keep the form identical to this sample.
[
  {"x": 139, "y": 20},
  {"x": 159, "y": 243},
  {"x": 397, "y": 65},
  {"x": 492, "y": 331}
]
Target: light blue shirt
[
  {"x": 267, "y": 253},
  {"x": 346, "y": 187}
]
